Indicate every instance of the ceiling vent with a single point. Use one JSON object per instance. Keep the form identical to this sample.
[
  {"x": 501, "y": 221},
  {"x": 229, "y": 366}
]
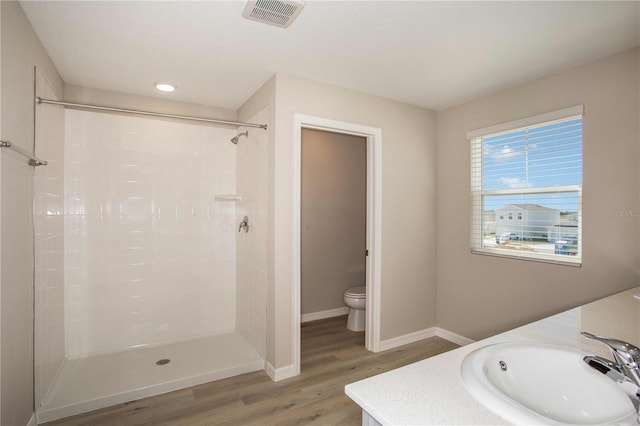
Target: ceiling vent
[{"x": 279, "y": 13}]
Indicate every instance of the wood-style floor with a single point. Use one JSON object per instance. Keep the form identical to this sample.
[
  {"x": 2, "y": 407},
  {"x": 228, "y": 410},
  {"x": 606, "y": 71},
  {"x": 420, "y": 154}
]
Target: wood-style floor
[{"x": 331, "y": 357}]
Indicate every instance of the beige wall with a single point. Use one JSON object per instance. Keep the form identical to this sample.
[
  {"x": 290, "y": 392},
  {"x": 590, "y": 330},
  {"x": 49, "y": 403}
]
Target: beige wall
[
  {"x": 21, "y": 51},
  {"x": 408, "y": 193},
  {"x": 333, "y": 218},
  {"x": 480, "y": 295}
]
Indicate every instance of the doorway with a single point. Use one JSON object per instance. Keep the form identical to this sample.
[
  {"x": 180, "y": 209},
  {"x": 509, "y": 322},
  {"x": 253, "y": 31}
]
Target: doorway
[
  {"x": 333, "y": 213},
  {"x": 373, "y": 137}
]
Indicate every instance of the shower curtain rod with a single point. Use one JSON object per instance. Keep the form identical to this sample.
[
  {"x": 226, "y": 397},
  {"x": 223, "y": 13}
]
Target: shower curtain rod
[
  {"x": 40, "y": 100},
  {"x": 33, "y": 160}
]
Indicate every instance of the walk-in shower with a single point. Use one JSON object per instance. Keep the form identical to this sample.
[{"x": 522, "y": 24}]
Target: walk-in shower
[{"x": 150, "y": 264}]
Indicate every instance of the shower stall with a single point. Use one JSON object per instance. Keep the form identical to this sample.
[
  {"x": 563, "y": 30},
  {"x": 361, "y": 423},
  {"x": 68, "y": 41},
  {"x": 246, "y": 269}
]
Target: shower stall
[{"x": 143, "y": 283}]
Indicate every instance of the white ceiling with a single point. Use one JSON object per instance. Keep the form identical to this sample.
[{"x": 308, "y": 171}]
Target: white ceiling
[{"x": 431, "y": 54}]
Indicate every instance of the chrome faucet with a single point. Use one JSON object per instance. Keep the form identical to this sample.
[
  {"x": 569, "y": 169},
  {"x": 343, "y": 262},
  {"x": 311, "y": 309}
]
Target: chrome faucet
[
  {"x": 626, "y": 360},
  {"x": 624, "y": 367}
]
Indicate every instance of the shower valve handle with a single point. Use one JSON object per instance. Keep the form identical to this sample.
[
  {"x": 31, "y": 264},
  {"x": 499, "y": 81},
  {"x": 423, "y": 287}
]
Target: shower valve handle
[{"x": 244, "y": 225}]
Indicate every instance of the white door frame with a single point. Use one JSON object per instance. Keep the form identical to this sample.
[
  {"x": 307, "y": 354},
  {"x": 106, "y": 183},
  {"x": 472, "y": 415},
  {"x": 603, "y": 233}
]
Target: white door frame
[{"x": 373, "y": 137}]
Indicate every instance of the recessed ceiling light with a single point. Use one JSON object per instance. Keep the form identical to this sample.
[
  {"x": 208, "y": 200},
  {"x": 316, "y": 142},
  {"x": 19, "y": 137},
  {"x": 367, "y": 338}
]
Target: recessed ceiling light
[{"x": 165, "y": 87}]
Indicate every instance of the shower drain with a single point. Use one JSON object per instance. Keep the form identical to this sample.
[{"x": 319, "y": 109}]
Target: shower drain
[{"x": 164, "y": 361}]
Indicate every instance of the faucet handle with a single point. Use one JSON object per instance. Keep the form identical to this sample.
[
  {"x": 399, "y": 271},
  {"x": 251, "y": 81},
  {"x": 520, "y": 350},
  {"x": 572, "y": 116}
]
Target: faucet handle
[
  {"x": 244, "y": 225},
  {"x": 624, "y": 353}
]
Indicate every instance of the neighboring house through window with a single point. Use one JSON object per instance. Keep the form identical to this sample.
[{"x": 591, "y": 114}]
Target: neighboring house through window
[{"x": 530, "y": 169}]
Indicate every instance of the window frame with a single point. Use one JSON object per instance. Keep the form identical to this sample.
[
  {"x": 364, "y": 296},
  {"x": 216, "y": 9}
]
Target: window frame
[{"x": 477, "y": 193}]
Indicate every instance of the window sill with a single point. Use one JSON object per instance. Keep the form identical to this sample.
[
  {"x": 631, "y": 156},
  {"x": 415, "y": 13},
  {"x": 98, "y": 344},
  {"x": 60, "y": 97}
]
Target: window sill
[{"x": 554, "y": 260}]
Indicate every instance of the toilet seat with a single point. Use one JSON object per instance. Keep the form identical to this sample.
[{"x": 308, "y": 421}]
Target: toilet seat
[{"x": 356, "y": 292}]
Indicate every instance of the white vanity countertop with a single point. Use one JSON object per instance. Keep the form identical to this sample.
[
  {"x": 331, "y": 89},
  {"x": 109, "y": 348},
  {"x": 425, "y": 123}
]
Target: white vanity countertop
[{"x": 432, "y": 392}]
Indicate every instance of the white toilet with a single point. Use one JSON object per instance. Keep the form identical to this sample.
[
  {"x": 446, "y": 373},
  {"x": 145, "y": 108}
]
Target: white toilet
[{"x": 355, "y": 298}]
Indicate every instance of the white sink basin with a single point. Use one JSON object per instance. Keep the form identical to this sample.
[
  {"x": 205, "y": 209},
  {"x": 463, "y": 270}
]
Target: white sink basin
[{"x": 531, "y": 383}]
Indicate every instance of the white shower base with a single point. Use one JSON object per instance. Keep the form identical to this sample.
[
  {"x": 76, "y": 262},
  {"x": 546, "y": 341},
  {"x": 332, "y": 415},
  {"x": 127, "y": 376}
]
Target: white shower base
[{"x": 94, "y": 382}]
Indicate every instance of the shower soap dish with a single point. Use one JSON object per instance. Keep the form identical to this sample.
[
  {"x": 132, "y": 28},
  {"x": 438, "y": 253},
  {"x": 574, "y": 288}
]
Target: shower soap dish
[{"x": 229, "y": 197}]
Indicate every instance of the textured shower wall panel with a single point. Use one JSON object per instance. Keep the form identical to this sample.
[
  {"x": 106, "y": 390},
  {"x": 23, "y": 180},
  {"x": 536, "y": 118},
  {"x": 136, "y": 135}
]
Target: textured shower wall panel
[
  {"x": 252, "y": 181},
  {"x": 150, "y": 256},
  {"x": 49, "y": 340}
]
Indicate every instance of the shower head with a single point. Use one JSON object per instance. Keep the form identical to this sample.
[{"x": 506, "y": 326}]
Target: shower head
[{"x": 235, "y": 139}]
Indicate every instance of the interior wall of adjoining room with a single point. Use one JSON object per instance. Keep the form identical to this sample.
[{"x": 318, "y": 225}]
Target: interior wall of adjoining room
[
  {"x": 251, "y": 273},
  {"x": 21, "y": 52},
  {"x": 149, "y": 253},
  {"x": 333, "y": 213},
  {"x": 48, "y": 226}
]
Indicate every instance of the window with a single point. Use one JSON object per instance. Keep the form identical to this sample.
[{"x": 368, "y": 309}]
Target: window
[{"x": 532, "y": 167}]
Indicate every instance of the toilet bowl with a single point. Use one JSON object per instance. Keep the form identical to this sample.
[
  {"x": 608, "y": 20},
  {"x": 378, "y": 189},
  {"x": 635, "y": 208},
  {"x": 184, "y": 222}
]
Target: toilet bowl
[{"x": 355, "y": 298}]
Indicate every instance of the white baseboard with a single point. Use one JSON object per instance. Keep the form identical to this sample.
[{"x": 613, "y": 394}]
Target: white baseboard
[
  {"x": 32, "y": 420},
  {"x": 407, "y": 338},
  {"x": 453, "y": 337},
  {"x": 330, "y": 313},
  {"x": 424, "y": 334},
  {"x": 281, "y": 373}
]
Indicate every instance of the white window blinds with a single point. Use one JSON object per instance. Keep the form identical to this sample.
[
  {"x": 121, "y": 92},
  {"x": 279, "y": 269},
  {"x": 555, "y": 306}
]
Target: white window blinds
[{"x": 526, "y": 188}]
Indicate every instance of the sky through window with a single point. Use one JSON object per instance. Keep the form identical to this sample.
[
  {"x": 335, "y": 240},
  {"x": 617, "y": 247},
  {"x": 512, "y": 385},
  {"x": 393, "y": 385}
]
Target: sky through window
[{"x": 545, "y": 156}]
